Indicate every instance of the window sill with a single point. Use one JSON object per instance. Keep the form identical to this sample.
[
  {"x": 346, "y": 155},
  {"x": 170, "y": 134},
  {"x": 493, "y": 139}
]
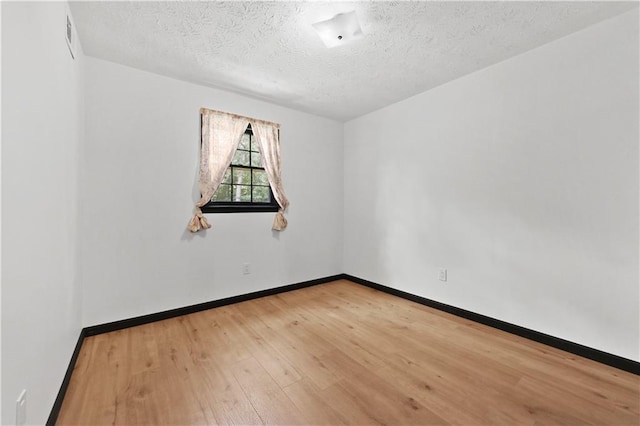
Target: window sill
[{"x": 239, "y": 208}]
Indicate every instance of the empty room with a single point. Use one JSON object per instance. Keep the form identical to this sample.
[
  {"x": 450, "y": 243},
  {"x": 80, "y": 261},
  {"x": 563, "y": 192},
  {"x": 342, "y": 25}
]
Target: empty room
[{"x": 365, "y": 213}]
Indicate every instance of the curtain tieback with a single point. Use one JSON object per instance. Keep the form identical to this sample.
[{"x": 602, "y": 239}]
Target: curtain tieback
[
  {"x": 279, "y": 222},
  {"x": 198, "y": 221}
]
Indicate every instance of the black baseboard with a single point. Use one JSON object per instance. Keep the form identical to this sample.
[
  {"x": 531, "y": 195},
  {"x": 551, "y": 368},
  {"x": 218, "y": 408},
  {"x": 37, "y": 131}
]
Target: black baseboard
[
  {"x": 53, "y": 416},
  {"x": 172, "y": 313},
  {"x": 565, "y": 345}
]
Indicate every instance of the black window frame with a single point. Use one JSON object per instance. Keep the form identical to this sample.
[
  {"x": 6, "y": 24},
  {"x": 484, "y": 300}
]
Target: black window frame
[{"x": 242, "y": 206}]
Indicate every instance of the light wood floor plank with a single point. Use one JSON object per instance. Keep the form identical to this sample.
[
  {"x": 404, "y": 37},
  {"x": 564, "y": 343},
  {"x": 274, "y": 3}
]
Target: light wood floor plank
[
  {"x": 306, "y": 396},
  {"x": 267, "y": 397},
  {"x": 338, "y": 353}
]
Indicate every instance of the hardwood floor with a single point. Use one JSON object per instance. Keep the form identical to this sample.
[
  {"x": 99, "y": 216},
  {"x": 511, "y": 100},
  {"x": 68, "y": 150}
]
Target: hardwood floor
[{"x": 338, "y": 353}]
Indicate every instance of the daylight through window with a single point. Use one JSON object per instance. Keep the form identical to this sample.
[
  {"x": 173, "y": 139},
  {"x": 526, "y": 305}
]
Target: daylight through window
[{"x": 245, "y": 186}]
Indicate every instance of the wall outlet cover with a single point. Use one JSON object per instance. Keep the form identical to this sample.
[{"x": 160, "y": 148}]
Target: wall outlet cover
[
  {"x": 21, "y": 408},
  {"x": 442, "y": 274}
]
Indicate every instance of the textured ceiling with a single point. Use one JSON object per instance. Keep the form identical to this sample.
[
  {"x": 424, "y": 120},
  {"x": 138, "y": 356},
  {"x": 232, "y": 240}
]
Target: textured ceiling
[{"x": 268, "y": 50}]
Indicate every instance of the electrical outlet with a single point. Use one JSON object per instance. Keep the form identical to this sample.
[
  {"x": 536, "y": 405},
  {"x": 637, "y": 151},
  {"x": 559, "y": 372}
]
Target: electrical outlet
[
  {"x": 246, "y": 269},
  {"x": 442, "y": 274},
  {"x": 21, "y": 409}
]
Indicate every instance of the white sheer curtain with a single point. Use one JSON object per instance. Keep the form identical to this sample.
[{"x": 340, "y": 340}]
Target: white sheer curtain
[
  {"x": 221, "y": 134},
  {"x": 268, "y": 137}
]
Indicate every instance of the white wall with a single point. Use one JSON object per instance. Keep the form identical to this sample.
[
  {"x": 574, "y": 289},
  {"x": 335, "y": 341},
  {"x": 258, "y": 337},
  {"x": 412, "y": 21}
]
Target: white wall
[
  {"x": 522, "y": 180},
  {"x": 0, "y": 217},
  {"x": 42, "y": 128},
  {"x": 138, "y": 173}
]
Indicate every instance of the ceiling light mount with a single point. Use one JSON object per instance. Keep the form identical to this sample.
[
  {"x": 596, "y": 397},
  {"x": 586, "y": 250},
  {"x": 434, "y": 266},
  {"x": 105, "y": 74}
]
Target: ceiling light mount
[{"x": 341, "y": 29}]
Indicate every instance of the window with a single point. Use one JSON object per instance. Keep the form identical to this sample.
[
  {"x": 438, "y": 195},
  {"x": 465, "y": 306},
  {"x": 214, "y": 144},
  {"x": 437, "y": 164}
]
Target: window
[{"x": 245, "y": 186}]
